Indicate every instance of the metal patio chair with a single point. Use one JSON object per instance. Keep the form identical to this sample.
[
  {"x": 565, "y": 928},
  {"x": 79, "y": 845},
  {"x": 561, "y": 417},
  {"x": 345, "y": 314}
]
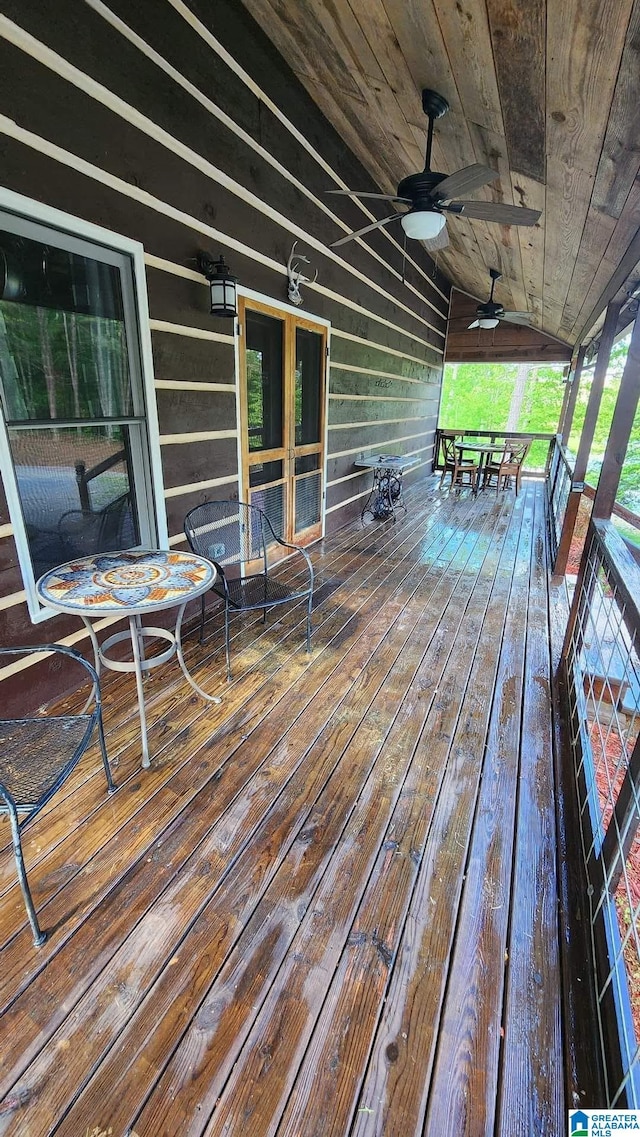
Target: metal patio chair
[
  {"x": 234, "y": 536},
  {"x": 37, "y": 755},
  {"x": 84, "y": 532}
]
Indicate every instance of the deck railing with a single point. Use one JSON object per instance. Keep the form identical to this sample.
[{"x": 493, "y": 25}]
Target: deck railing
[
  {"x": 558, "y": 489},
  {"x": 602, "y": 671}
]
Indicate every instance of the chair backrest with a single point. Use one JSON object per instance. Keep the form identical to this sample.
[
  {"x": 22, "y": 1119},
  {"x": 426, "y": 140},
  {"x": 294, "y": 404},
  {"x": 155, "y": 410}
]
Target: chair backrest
[
  {"x": 449, "y": 448},
  {"x": 228, "y": 532},
  {"x": 112, "y": 522},
  {"x": 84, "y": 533},
  {"x": 515, "y": 451}
]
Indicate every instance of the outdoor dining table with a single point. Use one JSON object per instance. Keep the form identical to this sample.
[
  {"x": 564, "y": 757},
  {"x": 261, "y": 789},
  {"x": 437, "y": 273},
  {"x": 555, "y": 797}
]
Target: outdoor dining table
[
  {"x": 130, "y": 584},
  {"x": 484, "y": 450}
]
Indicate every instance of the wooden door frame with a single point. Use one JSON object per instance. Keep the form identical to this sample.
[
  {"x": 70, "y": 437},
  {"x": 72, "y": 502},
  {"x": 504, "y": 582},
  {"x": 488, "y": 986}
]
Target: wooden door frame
[{"x": 260, "y": 302}]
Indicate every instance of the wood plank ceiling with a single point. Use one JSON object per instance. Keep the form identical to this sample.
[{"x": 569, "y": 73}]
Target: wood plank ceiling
[{"x": 544, "y": 93}]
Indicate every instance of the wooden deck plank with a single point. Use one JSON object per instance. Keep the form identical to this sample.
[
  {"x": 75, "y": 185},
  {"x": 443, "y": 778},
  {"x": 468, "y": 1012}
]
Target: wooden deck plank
[
  {"x": 242, "y": 935},
  {"x": 532, "y": 1083},
  {"x": 363, "y": 599},
  {"x": 165, "y": 685},
  {"x": 409, "y": 1024},
  {"x": 464, "y": 1085},
  {"x": 184, "y": 775},
  {"x": 216, "y": 1056},
  {"x": 344, "y": 1035},
  {"x": 225, "y": 902}
]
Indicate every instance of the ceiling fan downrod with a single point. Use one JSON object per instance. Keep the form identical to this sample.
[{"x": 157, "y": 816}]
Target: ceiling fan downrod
[{"x": 434, "y": 106}]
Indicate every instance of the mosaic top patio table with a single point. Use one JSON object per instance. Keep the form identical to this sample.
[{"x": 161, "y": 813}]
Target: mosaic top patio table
[{"x": 130, "y": 584}]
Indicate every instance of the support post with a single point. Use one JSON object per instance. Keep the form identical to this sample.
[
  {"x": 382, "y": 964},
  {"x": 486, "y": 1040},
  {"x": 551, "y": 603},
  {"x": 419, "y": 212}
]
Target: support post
[
  {"x": 573, "y": 386},
  {"x": 621, "y": 426},
  {"x": 586, "y": 438}
]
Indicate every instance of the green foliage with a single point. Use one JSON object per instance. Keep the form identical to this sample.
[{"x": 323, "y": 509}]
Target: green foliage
[
  {"x": 480, "y": 396},
  {"x": 57, "y": 365},
  {"x": 476, "y": 396}
]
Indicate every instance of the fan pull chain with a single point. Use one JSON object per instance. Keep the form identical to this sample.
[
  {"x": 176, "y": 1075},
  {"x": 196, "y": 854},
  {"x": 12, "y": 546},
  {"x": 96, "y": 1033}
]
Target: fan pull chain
[{"x": 404, "y": 255}]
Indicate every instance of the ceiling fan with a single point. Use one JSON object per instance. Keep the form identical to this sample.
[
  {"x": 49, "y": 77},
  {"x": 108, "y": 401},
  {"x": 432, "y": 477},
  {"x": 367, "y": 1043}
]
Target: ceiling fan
[
  {"x": 430, "y": 195},
  {"x": 490, "y": 313}
]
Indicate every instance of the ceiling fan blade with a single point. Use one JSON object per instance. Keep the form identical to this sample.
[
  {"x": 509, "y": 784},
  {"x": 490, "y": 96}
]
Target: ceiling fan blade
[
  {"x": 367, "y": 229},
  {"x": 440, "y": 242},
  {"x": 379, "y": 196},
  {"x": 475, "y": 324},
  {"x": 516, "y": 317},
  {"x": 465, "y": 181},
  {"x": 495, "y": 211}
]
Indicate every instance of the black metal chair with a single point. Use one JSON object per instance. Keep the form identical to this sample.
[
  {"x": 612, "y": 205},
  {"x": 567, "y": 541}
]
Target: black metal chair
[
  {"x": 232, "y": 535},
  {"x": 36, "y": 757},
  {"x": 84, "y": 532}
]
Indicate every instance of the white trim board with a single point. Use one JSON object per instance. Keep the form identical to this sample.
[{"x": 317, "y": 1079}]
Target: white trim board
[{"x": 38, "y": 213}]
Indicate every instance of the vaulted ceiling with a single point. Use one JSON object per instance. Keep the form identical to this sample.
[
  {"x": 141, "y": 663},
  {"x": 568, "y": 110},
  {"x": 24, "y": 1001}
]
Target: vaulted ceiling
[{"x": 545, "y": 93}]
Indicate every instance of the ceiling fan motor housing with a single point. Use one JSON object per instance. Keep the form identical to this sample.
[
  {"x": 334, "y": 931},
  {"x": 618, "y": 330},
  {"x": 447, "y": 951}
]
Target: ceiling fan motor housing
[{"x": 419, "y": 189}]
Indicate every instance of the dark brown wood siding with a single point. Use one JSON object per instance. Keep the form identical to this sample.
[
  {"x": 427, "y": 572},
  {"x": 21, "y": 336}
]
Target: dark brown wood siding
[{"x": 184, "y": 130}]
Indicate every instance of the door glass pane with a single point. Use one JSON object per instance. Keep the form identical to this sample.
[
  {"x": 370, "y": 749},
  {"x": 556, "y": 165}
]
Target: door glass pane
[
  {"x": 63, "y": 349},
  {"x": 264, "y": 352},
  {"x": 264, "y": 472},
  {"x": 75, "y": 492},
  {"x": 309, "y": 347},
  {"x": 307, "y": 463}
]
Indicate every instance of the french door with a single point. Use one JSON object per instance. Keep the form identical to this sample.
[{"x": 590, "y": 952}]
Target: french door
[{"x": 283, "y": 365}]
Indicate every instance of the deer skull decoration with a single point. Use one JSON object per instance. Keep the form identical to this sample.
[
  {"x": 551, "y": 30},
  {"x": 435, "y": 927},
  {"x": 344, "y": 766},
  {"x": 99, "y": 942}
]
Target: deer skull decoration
[{"x": 295, "y": 277}]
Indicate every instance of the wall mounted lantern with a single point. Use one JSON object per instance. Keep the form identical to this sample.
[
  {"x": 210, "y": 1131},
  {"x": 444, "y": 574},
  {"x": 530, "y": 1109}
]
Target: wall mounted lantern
[{"x": 221, "y": 283}]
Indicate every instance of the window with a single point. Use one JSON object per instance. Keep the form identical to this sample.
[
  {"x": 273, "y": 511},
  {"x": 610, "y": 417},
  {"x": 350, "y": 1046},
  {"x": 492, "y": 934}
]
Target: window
[{"x": 76, "y": 447}]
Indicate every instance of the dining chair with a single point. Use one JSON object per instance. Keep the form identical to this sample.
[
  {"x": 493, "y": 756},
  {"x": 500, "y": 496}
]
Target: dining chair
[
  {"x": 508, "y": 465},
  {"x": 455, "y": 464},
  {"x": 37, "y": 755},
  {"x": 237, "y": 538}
]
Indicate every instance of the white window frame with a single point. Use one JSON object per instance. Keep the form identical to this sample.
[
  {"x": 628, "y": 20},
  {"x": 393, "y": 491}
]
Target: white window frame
[{"x": 147, "y": 475}]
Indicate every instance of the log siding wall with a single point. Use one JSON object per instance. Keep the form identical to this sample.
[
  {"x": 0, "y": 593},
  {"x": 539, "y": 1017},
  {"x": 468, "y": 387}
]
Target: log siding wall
[{"x": 178, "y": 125}]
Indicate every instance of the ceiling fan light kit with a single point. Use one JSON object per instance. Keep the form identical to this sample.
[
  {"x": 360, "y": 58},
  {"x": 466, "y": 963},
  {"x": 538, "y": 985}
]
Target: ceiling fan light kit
[
  {"x": 489, "y": 314},
  {"x": 430, "y": 195},
  {"x": 422, "y": 224}
]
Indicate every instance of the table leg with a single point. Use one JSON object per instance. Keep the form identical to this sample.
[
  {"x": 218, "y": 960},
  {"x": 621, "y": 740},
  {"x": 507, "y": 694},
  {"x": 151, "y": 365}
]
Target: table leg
[
  {"x": 134, "y": 625},
  {"x": 181, "y": 660},
  {"x": 479, "y": 475},
  {"x": 96, "y": 657}
]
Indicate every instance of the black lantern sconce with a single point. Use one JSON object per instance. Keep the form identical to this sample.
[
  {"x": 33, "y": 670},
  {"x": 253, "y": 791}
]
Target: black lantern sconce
[{"x": 221, "y": 283}]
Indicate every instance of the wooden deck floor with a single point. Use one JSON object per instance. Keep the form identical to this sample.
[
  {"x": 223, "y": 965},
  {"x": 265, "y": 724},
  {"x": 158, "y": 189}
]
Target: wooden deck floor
[{"x": 330, "y": 907}]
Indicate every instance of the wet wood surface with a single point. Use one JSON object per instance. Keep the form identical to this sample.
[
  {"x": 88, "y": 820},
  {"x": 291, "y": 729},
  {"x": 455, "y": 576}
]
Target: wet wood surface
[{"x": 330, "y": 906}]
